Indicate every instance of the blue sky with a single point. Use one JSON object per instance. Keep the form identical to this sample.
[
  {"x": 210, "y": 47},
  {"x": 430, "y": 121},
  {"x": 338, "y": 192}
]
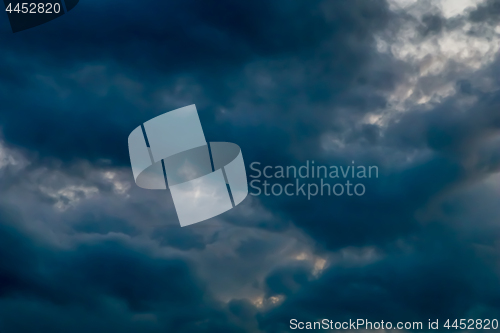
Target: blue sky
[{"x": 411, "y": 86}]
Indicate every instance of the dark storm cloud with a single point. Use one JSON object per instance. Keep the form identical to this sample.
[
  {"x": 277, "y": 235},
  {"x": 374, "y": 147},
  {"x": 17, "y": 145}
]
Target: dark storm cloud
[
  {"x": 442, "y": 271},
  {"x": 92, "y": 275},
  {"x": 285, "y": 80},
  {"x": 486, "y": 12},
  {"x": 114, "y": 71},
  {"x": 439, "y": 259}
]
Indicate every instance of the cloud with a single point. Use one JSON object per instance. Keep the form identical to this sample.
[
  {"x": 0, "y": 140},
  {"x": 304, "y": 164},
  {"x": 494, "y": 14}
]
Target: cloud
[{"x": 409, "y": 86}]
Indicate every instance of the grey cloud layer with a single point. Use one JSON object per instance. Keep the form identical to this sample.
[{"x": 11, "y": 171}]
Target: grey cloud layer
[{"x": 85, "y": 250}]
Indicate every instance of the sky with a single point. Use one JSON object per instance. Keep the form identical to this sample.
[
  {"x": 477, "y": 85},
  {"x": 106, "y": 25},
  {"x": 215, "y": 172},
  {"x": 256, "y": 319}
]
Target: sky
[{"x": 411, "y": 86}]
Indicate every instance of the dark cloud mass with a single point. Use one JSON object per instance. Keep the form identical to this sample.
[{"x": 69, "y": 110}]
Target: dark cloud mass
[{"x": 409, "y": 86}]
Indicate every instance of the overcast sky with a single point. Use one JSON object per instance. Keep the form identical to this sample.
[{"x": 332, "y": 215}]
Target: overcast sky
[{"x": 410, "y": 86}]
